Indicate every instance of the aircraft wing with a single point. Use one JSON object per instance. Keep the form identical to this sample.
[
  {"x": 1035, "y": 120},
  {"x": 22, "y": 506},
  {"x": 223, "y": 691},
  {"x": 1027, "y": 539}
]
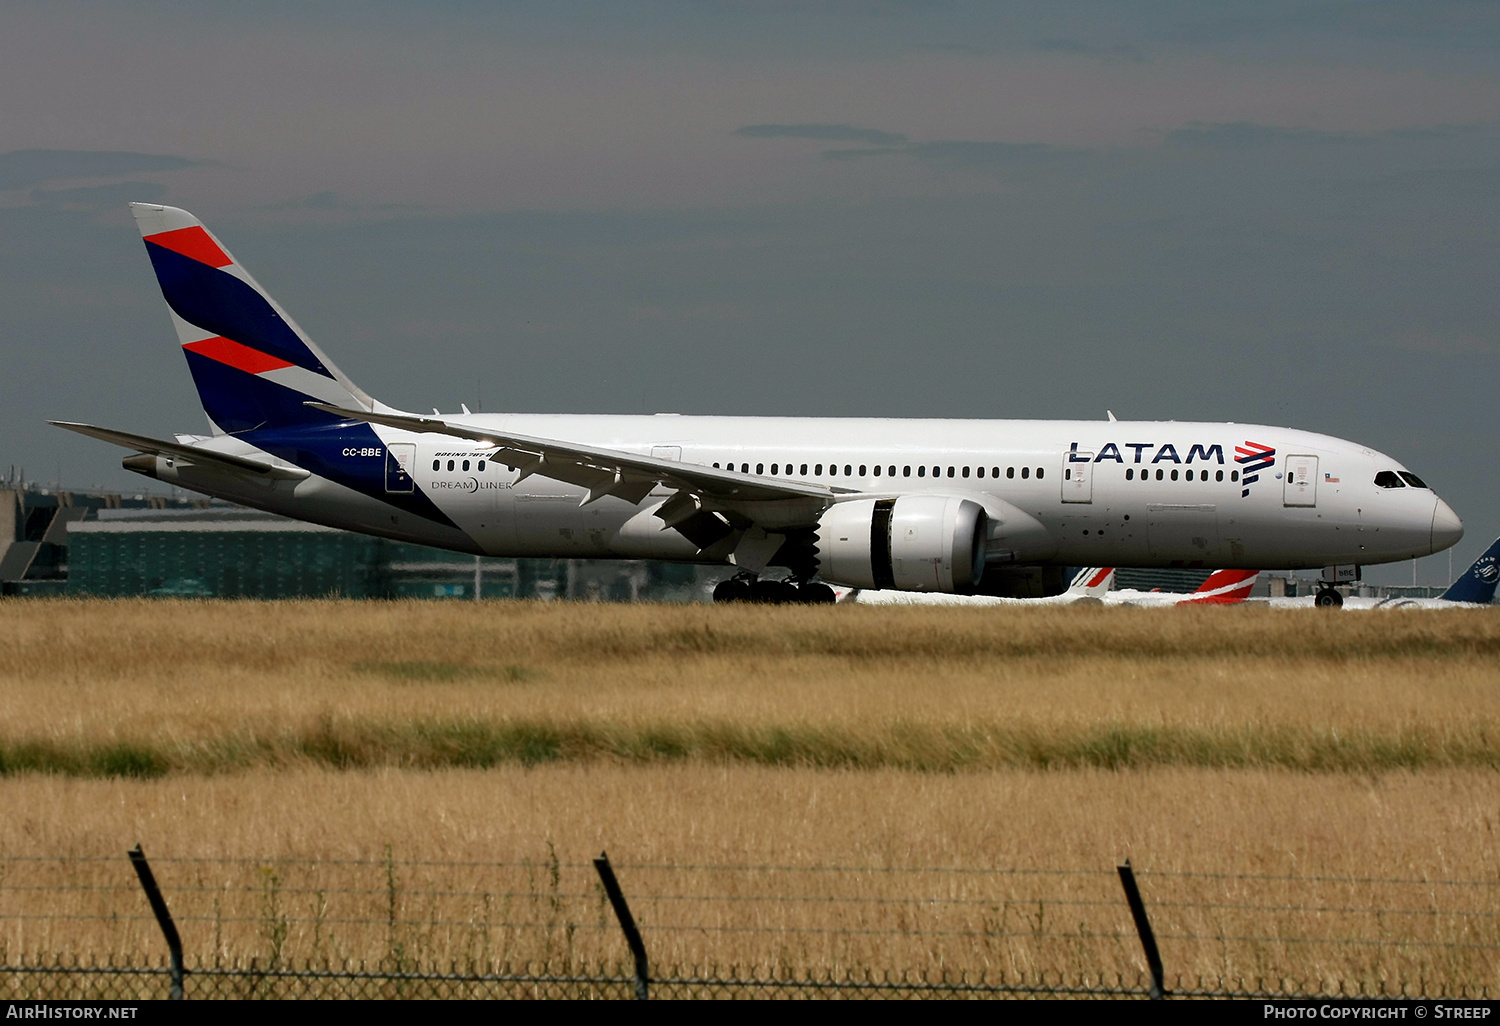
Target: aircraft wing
[
  {"x": 606, "y": 471},
  {"x": 190, "y": 453}
]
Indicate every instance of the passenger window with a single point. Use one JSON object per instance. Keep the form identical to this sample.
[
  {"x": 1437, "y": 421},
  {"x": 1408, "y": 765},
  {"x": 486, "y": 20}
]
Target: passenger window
[
  {"x": 466, "y": 464},
  {"x": 1174, "y": 475},
  {"x": 818, "y": 470},
  {"x": 877, "y": 470},
  {"x": 760, "y": 468},
  {"x": 1388, "y": 479},
  {"x": 1411, "y": 479},
  {"x": 1039, "y": 472},
  {"x": 950, "y": 472},
  {"x": 979, "y": 471},
  {"x": 1010, "y": 472},
  {"x": 921, "y": 471},
  {"x": 994, "y": 472},
  {"x": 906, "y": 472},
  {"x": 450, "y": 464},
  {"x": 716, "y": 465},
  {"x": 804, "y": 470},
  {"x": 1159, "y": 475},
  {"x": 966, "y": 472},
  {"x": 1218, "y": 475},
  {"x": 481, "y": 466},
  {"x": 744, "y": 468},
  {"x": 1025, "y": 473},
  {"x": 862, "y": 470},
  {"x": 848, "y": 470},
  {"x": 1130, "y": 473},
  {"x": 774, "y": 467},
  {"x": 437, "y": 464},
  {"x": 1234, "y": 475}
]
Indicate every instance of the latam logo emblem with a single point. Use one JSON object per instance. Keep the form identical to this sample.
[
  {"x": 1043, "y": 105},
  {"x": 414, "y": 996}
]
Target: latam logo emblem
[
  {"x": 1487, "y": 571},
  {"x": 1252, "y": 458}
]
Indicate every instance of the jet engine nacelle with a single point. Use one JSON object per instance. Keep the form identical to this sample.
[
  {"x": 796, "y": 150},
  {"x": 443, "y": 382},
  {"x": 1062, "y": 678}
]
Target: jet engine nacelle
[{"x": 910, "y": 543}]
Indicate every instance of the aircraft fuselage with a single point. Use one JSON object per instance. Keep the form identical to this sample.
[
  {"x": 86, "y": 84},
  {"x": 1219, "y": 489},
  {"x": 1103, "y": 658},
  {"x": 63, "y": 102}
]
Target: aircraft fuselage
[{"x": 1102, "y": 493}]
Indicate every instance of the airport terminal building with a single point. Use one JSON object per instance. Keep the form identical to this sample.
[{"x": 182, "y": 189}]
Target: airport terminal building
[{"x": 57, "y": 542}]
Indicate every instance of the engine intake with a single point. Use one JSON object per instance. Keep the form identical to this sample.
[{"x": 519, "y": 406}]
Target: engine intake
[{"x": 910, "y": 543}]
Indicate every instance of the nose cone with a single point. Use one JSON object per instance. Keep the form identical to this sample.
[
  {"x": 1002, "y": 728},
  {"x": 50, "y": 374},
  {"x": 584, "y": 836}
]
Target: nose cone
[{"x": 1447, "y": 529}]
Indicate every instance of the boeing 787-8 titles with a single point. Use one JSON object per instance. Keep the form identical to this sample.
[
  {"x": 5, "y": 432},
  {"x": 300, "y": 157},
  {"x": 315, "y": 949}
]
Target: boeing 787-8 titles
[{"x": 995, "y": 507}]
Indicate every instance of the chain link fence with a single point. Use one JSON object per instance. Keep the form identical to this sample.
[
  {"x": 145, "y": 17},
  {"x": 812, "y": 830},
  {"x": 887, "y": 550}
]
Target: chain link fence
[{"x": 97, "y": 928}]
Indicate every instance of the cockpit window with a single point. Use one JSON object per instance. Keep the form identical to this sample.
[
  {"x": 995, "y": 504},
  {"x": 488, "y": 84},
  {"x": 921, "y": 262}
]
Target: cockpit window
[
  {"x": 1388, "y": 479},
  {"x": 1412, "y": 479}
]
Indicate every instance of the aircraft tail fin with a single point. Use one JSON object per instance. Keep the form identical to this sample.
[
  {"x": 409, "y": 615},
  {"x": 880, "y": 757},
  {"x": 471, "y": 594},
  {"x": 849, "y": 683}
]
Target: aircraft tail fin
[
  {"x": 1478, "y": 582},
  {"x": 1224, "y": 587},
  {"x": 253, "y": 366},
  {"x": 1092, "y": 582}
]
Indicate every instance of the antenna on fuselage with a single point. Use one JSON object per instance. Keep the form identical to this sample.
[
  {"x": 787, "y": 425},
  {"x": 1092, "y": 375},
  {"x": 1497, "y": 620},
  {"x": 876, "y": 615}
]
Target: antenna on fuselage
[{"x": 1111, "y": 415}]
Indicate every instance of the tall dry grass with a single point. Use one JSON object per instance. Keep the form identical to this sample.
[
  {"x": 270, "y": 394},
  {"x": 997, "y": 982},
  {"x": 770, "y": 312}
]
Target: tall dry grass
[
  {"x": 146, "y": 688},
  {"x": 1288, "y": 756},
  {"x": 1247, "y": 874}
]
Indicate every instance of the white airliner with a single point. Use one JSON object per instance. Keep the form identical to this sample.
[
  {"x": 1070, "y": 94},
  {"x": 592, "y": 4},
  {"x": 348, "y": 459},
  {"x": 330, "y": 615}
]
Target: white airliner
[
  {"x": 995, "y": 507},
  {"x": 1089, "y": 586},
  {"x": 1093, "y": 585}
]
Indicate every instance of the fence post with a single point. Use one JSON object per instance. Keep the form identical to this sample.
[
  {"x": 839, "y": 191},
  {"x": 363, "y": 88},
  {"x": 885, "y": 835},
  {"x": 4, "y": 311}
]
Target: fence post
[
  {"x": 627, "y": 923},
  {"x": 1143, "y": 927},
  {"x": 163, "y": 917}
]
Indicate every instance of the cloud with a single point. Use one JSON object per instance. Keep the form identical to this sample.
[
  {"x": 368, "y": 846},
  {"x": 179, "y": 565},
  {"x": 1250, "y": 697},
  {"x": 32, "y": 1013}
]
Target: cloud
[
  {"x": 100, "y": 197},
  {"x": 22, "y": 168},
  {"x": 1441, "y": 343},
  {"x": 1244, "y": 135},
  {"x": 1078, "y": 48},
  {"x": 823, "y": 133},
  {"x": 325, "y": 200}
]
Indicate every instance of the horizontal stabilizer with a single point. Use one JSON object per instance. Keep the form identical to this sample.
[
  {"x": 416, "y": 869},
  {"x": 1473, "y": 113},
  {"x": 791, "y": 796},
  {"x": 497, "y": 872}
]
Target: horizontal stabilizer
[{"x": 191, "y": 453}]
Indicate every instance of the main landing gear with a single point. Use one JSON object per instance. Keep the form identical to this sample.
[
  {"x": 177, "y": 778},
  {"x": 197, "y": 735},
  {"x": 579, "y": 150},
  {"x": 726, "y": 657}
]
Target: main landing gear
[
  {"x": 1328, "y": 598},
  {"x": 748, "y": 588}
]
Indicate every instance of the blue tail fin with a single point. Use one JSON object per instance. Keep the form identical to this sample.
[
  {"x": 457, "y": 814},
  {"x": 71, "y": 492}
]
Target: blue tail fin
[
  {"x": 1478, "y": 582},
  {"x": 253, "y": 366}
]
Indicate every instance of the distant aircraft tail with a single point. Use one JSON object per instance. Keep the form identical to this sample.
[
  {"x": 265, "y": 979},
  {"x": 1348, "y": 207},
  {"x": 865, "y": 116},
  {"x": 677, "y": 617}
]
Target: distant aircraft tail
[
  {"x": 1092, "y": 582},
  {"x": 1478, "y": 582},
  {"x": 254, "y": 368},
  {"x": 1224, "y": 587}
]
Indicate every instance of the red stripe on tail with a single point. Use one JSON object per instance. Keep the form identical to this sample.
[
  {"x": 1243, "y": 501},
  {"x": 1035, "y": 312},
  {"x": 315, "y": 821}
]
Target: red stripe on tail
[
  {"x": 228, "y": 351},
  {"x": 1224, "y": 587},
  {"x": 193, "y": 243}
]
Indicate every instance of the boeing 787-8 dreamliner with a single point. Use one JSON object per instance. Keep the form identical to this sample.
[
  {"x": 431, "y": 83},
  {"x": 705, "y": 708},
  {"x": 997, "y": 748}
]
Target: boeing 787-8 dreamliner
[{"x": 994, "y": 507}]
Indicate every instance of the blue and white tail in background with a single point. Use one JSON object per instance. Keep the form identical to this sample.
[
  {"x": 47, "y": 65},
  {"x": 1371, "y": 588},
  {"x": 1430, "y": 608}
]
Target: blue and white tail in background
[
  {"x": 253, "y": 367},
  {"x": 1478, "y": 582}
]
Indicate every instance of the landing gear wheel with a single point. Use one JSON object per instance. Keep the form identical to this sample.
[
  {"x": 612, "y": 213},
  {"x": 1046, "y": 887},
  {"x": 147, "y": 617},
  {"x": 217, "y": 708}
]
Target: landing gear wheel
[
  {"x": 816, "y": 594},
  {"x": 1327, "y": 598},
  {"x": 736, "y": 589},
  {"x": 772, "y": 593}
]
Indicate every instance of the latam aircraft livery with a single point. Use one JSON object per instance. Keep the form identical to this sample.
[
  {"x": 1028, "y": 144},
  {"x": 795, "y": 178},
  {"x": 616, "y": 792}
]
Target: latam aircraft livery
[{"x": 997, "y": 507}]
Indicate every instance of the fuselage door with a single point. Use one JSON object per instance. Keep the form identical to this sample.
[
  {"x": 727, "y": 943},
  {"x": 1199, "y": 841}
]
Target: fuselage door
[
  {"x": 1301, "y": 485},
  {"x": 399, "y": 460},
  {"x": 1078, "y": 477}
]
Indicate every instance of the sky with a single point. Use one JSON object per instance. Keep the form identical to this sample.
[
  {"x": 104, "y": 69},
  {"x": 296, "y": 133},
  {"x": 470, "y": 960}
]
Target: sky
[{"x": 1275, "y": 213}]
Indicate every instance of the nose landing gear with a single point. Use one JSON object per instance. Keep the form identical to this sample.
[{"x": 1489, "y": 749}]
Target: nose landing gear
[{"x": 749, "y": 588}]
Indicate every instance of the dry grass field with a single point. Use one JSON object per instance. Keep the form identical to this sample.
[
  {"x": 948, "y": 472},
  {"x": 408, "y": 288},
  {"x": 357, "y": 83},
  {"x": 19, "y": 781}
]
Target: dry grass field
[{"x": 1304, "y": 794}]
